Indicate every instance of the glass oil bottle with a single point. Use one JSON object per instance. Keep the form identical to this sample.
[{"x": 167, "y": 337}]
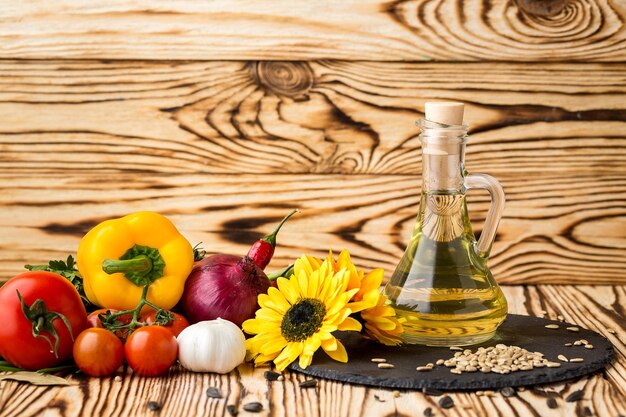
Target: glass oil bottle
[{"x": 442, "y": 285}]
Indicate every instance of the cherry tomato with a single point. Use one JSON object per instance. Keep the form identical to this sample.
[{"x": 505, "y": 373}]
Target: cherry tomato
[
  {"x": 49, "y": 297},
  {"x": 177, "y": 325},
  {"x": 98, "y": 352},
  {"x": 151, "y": 350},
  {"x": 93, "y": 320}
]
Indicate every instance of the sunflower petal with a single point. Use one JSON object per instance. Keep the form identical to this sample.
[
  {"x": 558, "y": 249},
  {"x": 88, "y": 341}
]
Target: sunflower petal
[
  {"x": 284, "y": 285},
  {"x": 310, "y": 347},
  {"x": 253, "y": 326},
  {"x": 278, "y": 300},
  {"x": 339, "y": 353},
  {"x": 288, "y": 355},
  {"x": 350, "y": 324},
  {"x": 329, "y": 344}
]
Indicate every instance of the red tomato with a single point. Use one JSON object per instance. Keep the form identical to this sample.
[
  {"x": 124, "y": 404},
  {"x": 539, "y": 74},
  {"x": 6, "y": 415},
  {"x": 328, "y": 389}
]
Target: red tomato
[
  {"x": 98, "y": 352},
  {"x": 177, "y": 325},
  {"x": 151, "y": 350},
  {"x": 94, "y": 321},
  {"x": 17, "y": 343}
]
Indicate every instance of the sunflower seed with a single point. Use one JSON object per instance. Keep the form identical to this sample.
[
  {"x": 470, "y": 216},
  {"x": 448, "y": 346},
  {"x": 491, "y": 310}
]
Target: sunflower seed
[
  {"x": 117, "y": 378},
  {"x": 455, "y": 348},
  {"x": 562, "y": 358},
  {"x": 553, "y": 364},
  {"x": 440, "y": 362},
  {"x": 446, "y": 402},
  {"x": 424, "y": 368},
  {"x": 551, "y": 326},
  {"x": 431, "y": 391},
  {"x": 575, "y": 396},
  {"x": 500, "y": 359},
  {"x": 253, "y": 407},
  {"x": 584, "y": 341},
  {"x": 385, "y": 366},
  {"x": 573, "y": 329},
  {"x": 507, "y": 391},
  {"x": 543, "y": 312},
  {"x": 428, "y": 412},
  {"x": 577, "y": 360},
  {"x": 551, "y": 403},
  {"x": 578, "y": 343},
  {"x": 396, "y": 394},
  {"x": 309, "y": 383},
  {"x": 560, "y": 318},
  {"x": 611, "y": 331},
  {"x": 271, "y": 375},
  {"x": 588, "y": 346},
  {"x": 153, "y": 406},
  {"x": 379, "y": 360},
  {"x": 232, "y": 410},
  {"x": 213, "y": 392},
  {"x": 568, "y": 344}
]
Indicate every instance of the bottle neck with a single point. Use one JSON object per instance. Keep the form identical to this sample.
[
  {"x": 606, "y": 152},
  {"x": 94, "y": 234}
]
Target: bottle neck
[{"x": 443, "y": 157}]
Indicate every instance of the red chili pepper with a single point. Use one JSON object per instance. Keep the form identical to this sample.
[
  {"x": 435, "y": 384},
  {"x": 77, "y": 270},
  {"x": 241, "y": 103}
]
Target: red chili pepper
[{"x": 262, "y": 250}]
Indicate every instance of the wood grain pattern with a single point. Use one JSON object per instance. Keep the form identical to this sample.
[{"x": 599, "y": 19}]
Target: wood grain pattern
[
  {"x": 296, "y": 117},
  {"x": 107, "y": 138},
  {"x": 182, "y": 393},
  {"x": 554, "y": 229},
  {"x": 408, "y": 30}
]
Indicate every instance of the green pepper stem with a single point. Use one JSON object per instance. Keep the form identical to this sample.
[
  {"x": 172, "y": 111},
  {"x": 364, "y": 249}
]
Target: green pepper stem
[
  {"x": 140, "y": 263},
  {"x": 271, "y": 238}
]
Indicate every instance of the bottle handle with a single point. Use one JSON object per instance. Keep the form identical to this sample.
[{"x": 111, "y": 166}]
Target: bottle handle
[{"x": 489, "y": 183}]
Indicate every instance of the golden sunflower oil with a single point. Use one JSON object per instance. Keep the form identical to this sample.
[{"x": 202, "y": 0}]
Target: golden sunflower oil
[{"x": 442, "y": 285}]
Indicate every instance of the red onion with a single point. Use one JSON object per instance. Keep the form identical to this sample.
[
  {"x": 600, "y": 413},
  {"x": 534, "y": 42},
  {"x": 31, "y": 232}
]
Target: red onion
[{"x": 223, "y": 286}]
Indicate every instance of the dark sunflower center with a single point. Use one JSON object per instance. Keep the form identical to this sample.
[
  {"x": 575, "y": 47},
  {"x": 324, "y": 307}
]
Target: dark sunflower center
[{"x": 303, "y": 319}]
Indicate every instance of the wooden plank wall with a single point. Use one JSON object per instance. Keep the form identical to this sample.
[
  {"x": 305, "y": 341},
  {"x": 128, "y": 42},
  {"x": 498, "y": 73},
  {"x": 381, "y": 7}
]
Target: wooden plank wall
[{"x": 224, "y": 120}]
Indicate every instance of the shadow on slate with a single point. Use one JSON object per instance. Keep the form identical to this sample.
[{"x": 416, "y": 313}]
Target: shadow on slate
[{"x": 524, "y": 331}]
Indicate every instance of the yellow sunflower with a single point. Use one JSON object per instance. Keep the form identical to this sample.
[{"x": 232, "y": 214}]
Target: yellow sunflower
[
  {"x": 382, "y": 324},
  {"x": 380, "y": 320},
  {"x": 299, "y": 317}
]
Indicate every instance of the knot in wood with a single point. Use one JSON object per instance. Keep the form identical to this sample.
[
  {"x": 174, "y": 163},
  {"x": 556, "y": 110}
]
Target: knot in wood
[
  {"x": 542, "y": 8},
  {"x": 287, "y": 78}
]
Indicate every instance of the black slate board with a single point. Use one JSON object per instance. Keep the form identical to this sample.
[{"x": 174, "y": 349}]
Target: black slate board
[{"x": 524, "y": 331}]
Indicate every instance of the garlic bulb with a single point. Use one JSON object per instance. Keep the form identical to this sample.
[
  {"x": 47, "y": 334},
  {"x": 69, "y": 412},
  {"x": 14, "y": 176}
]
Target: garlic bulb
[{"x": 211, "y": 346}]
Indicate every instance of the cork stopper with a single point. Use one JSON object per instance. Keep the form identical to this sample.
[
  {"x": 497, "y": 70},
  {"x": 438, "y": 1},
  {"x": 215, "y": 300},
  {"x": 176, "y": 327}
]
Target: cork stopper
[{"x": 446, "y": 112}]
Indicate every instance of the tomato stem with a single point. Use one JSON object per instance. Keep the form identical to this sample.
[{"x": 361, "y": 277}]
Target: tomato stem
[
  {"x": 42, "y": 322},
  {"x": 108, "y": 321},
  {"x": 39, "y": 324}
]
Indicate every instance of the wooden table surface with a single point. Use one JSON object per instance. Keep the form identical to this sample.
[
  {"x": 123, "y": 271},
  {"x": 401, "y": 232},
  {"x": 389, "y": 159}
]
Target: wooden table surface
[
  {"x": 182, "y": 393},
  {"x": 224, "y": 115}
]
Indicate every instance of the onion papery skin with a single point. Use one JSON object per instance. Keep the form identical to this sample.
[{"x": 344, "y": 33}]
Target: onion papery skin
[{"x": 225, "y": 286}]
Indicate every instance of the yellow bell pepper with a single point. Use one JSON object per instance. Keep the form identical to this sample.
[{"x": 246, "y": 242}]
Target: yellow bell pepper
[{"x": 118, "y": 257}]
